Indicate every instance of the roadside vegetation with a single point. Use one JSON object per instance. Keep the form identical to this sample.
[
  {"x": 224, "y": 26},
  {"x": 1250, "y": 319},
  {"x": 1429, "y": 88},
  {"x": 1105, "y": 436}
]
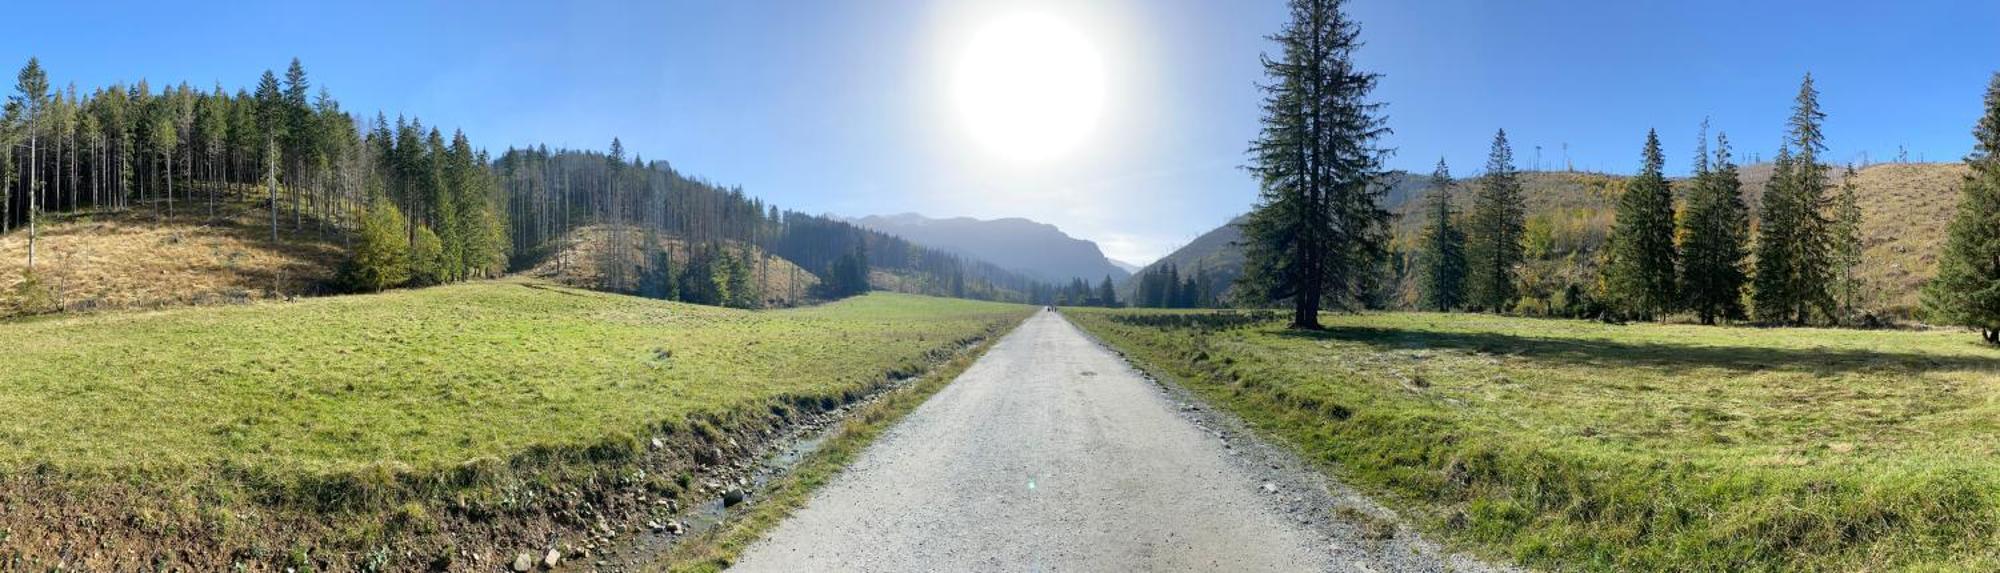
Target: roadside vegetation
[
  {"x": 429, "y": 426},
  {"x": 1573, "y": 445}
]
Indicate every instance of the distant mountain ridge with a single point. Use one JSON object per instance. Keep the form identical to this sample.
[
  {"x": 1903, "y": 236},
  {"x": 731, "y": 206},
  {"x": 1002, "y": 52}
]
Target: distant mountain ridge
[{"x": 1038, "y": 250}]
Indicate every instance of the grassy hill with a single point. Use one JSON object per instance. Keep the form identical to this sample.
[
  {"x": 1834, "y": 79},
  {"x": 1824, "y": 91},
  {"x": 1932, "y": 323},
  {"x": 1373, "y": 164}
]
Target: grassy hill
[
  {"x": 1572, "y": 445},
  {"x": 145, "y": 259},
  {"x": 426, "y": 426},
  {"x": 1905, "y": 209},
  {"x": 1216, "y": 250},
  {"x": 580, "y": 259}
]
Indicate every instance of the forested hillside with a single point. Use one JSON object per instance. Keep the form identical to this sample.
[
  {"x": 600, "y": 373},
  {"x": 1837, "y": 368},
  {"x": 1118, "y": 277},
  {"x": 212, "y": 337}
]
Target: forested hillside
[
  {"x": 254, "y": 174},
  {"x": 549, "y": 194}
]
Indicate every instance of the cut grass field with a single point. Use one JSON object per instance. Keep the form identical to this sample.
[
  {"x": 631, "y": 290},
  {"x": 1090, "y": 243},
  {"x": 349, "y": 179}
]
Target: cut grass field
[
  {"x": 445, "y": 407},
  {"x": 1583, "y": 446}
]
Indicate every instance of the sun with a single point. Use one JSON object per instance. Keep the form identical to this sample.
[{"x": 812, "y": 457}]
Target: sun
[{"x": 1030, "y": 87}]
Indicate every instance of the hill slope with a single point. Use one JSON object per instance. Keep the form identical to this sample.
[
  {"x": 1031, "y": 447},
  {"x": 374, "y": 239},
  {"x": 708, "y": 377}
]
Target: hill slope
[
  {"x": 142, "y": 258},
  {"x": 1216, "y": 250},
  {"x": 1039, "y": 250},
  {"x": 580, "y": 261},
  {"x": 1905, "y": 208}
]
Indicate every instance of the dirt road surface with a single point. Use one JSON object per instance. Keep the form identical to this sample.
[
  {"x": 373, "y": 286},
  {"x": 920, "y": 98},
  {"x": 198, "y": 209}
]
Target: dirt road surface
[{"x": 1052, "y": 454}]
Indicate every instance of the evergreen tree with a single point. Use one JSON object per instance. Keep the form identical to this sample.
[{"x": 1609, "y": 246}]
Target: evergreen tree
[
  {"x": 1845, "y": 245},
  {"x": 1966, "y": 291},
  {"x": 270, "y": 105},
  {"x": 1715, "y": 228},
  {"x": 1317, "y": 227},
  {"x": 1793, "y": 264},
  {"x": 1444, "y": 266},
  {"x": 1641, "y": 273},
  {"x": 31, "y": 94},
  {"x": 1494, "y": 246},
  {"x": 381, "y": 257},
  {"x": 1107, "y": 293}
]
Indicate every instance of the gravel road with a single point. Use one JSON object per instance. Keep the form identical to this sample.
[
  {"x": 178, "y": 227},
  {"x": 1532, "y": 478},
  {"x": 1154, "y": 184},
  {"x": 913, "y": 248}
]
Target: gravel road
[{"x": 1051, "y": 454}]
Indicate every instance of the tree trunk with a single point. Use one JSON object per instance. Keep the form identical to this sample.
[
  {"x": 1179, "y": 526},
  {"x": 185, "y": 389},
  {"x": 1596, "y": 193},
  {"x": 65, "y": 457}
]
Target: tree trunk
[{"x": 31, "y": 194}]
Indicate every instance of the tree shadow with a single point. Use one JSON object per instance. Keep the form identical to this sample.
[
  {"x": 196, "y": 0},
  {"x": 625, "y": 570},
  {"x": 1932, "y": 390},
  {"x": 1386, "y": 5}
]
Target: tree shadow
[{"x": 1594, "y": 352}]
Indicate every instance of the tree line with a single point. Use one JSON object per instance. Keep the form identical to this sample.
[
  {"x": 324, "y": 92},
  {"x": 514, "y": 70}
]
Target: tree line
[
  {"x": 1163, "y": 286},
  {"x": 1665, "y": 256},
  {"x": 551, "y": 194},
  {"x": 1314, "y": 237},
  {"x": 426, "y": 208},
  {"x": 183, "y": 151}
]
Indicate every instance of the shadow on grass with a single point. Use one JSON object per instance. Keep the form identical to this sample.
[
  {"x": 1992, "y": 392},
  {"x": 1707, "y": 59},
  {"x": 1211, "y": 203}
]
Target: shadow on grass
[{"x": 1611, "y": 354}]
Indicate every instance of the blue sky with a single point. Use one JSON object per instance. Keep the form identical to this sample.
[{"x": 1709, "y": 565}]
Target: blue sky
[{"x": 842, "y": 106}]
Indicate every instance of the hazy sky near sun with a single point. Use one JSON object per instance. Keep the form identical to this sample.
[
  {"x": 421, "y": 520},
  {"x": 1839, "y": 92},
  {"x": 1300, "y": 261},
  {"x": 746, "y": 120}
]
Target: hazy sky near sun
[{"x": 846, "y": 106}]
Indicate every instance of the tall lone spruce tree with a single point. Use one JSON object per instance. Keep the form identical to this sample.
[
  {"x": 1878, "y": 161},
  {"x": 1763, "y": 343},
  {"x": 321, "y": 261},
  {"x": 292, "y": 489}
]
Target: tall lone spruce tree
[
  {"x": 1714, "y": 231},
  {"x": 1966, "y": 291},
  {"x": 1318, "y": 227},
  {"x": 1793, "y": 263},
  {"x": 1494, "y": 246},
  {"x": 1444, "y": 248},
  {"x": 1641, "y": 273}
]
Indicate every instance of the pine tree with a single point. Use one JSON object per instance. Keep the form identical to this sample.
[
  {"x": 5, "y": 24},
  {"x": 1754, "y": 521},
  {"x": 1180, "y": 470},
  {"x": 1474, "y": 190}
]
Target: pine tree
[
  {"x": 1641, "y": 272},
  {"x": 1107, "y": 293},
  {"x": 1318, "y": 227},
  {"x": 1494, "y": 238},
  {"x": 1845, "y": 245},
  {"x": 1444, "y": 266},
  {"x": 1966, "y": 291},
  {"x": 1793, "y": 263},
  {"x": 1714, "y": 230}
]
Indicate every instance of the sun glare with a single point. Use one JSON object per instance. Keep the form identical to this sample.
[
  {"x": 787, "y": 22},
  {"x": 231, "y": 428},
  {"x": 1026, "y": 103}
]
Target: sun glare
[{"x": 1030, "y": 87}]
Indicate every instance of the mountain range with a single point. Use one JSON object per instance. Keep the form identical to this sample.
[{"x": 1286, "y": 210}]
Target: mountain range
[{"x": 1038, "y": 250}]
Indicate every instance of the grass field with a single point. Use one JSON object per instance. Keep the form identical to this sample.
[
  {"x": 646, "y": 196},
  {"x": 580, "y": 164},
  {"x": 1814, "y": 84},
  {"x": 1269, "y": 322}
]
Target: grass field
[
  {"x": 1575, "y": 445},
  {"x": 294, "y": 404}
]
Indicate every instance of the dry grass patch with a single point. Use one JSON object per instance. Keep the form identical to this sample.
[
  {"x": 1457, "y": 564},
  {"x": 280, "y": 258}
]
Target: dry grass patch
[
  {"x": 580, "y": 259},
  {"x": 145, "y": 259}
]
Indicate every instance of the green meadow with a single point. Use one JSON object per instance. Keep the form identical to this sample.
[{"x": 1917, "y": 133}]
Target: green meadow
[{"x": 1585, "y": 446}]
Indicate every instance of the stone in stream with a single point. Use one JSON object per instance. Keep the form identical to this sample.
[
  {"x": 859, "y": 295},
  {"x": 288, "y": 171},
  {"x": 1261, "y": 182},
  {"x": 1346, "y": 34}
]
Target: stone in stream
[{"x": 734, "y": 496}]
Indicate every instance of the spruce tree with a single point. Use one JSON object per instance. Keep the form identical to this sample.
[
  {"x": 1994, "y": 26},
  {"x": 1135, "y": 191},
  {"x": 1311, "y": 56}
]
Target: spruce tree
[
  {"x": 1318, "y": 227},
  {"x": 1844, "y": 250},
  {"x": 1494, "y": 247},
  {"x": 1444, "y": 248},
  {"x": 1641, "y": 273},
  {"x": 1793, "y": 260},
  {"x": 1715, "y": 228},
  {"x": 381, "y": 258},
  {"x": 1966, "y": 291}
]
